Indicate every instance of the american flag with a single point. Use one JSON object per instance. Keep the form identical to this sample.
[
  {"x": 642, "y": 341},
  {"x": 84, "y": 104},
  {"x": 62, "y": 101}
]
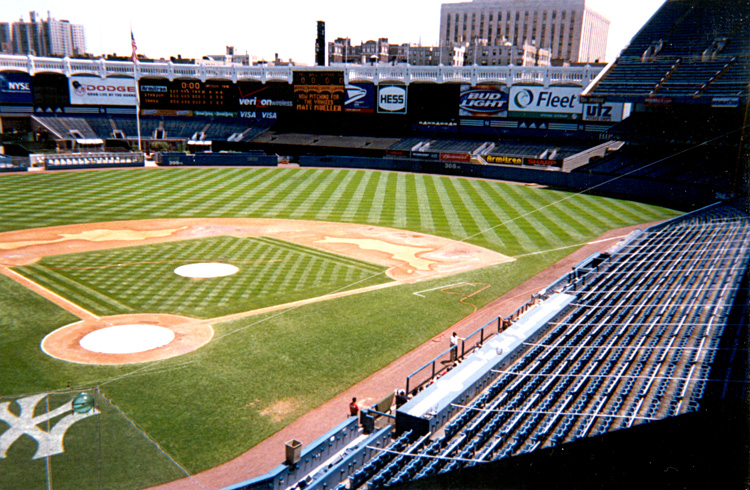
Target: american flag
[{"x": 134, "y": 46}]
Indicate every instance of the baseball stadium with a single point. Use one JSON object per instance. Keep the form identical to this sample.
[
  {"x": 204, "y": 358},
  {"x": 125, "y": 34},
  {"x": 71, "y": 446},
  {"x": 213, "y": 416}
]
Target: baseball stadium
[{"x": 384, "y": 276}]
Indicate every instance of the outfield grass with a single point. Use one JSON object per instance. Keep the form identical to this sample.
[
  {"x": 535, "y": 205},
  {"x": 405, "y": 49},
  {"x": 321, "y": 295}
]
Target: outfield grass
[
  {"x": 259, "y": 374},
  {"x": 141, "y": 279}
]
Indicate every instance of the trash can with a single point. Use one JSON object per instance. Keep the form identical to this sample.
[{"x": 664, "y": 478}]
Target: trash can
[{"x": 293, "y": 451}]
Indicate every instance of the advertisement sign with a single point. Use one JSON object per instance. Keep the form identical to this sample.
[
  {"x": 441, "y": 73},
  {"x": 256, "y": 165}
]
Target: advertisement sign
[
  {"x": 264, "y": 101},
  {"x": 15, "y": 88},
  {"x": 504, "y": 160},
  {"x": 483, "y": 101},
  {"x": 455, "y": 157},
  {"x": 187, "y": 94},
  {"x": 392, "y": 99},
  {"x": 319, "y": 91},
  {"x": 546, "y": 102},
  {"x": 543, "y": 161},
  {"x": 102, "y": 91},
  {"x": 725, "y": 102},
  {"x": 606, "y": 112},
  {"x": 360, "y": 97}
]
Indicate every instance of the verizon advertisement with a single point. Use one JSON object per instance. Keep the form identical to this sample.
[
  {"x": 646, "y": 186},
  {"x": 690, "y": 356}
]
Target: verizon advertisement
[
  {"x": 545, "y": 102},
  {"x": 102, "y": 91}
]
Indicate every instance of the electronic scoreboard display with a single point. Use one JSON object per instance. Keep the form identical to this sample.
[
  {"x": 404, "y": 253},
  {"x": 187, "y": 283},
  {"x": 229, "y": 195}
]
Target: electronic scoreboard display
[
  {"x": 319, "y": 91},
  {"x": 188, "y": 94}
]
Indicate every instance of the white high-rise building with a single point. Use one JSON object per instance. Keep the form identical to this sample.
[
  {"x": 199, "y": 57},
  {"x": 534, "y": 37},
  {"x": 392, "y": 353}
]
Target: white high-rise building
[
  {"x": 48, "y": 37},
  {"x": 568, "y": 29}
]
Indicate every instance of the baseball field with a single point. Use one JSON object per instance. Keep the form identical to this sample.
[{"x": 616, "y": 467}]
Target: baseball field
[{"x": 206, "y": 309}]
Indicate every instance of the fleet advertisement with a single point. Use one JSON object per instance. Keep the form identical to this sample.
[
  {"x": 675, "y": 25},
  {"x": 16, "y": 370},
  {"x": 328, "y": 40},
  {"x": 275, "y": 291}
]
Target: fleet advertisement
[
  {"x": 15, "y": 88},
  {"x": 483, "y": 101},
  {"x": 102, "y": 91},
  {"x": 319, "y": 91},
  {"x": 360, "y": 97},
  {"x": 545, "y": 102},
  {"x": 392, "y": 99}
]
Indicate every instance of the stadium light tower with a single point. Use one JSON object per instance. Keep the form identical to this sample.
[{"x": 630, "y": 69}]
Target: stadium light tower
[{"x": 320, "y": 44}]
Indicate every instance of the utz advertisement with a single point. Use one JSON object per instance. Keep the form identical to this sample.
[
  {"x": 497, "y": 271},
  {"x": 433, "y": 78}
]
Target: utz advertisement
[
  {"x": 15, "y": 88},
  {"x": 483, "y": 101},
  {"x": 545, "y": 102},
  {"x": 102, "y": 91},
  {"x": 392, "y": 99},
  {"x": 360, "y": 97},
  {"x": 607, "y": 112}
]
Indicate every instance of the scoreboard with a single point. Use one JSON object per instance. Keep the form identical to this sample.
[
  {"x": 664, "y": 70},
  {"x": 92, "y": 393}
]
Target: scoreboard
[
  {"x": 188, "y": 94},
  {"x": 319, "y": 91}
]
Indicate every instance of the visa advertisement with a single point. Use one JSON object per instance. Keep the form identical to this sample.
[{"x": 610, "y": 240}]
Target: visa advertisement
[
  {"x": 483, "y": 101},
  {"x": 15, "y": 88},
  {"x": 102, "y": 91},
  {"x": 545, "y": 102}
]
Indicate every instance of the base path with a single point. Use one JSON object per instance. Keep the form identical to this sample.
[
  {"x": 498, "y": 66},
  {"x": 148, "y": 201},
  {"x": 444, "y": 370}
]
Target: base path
[{"x": 270, "y": 453}]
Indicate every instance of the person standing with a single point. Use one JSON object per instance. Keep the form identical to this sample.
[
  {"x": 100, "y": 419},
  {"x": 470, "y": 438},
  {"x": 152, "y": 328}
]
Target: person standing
[
  {"x": 454, "y": 346},
  {"x": 353, "y": 407}
]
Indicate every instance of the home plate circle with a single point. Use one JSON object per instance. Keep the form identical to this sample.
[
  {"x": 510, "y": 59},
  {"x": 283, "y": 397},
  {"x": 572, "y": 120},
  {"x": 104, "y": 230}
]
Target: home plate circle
[
  {"x": 127, "y": 339},
  {"x": 206, "y": 270}
]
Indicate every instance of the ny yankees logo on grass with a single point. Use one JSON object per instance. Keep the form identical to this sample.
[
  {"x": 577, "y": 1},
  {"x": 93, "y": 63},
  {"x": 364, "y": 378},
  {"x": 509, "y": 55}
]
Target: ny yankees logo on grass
[{"x": 48, "y": 443}]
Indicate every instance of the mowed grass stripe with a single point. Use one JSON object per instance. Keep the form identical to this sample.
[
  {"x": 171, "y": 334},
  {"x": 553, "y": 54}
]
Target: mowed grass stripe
[
  {"x": 344, "y": 196},
  {"x": 282, "y": 201},
  {"x": 424, "y": 220},
  {"x": 308, "y": 203},
  {"x": 506, "y": 229},
  {"x": 486, "y": 235},
  {"x": 319, "y": 253},
  {"x": 334, "y": 195},
  {"x": 378, "y": 198},
  {"x": 352, "y": 212},
  {"x": 557, "y": 224},
  {"x": 530, "y": 220},
  {"x": 265, "y": 195},
  {"x": 83, "y": 295},
  {"x": 446, "y": 194}
]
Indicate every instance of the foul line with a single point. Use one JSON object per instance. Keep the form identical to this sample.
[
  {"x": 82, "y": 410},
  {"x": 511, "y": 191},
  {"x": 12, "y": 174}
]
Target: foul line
[{"x": 439, "y": 287}]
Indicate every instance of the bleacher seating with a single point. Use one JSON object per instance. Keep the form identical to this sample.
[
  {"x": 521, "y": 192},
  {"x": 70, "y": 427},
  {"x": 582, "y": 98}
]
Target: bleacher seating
[
  {"x": 689, "y": 49},
  {"x": 637, "y": 344}
]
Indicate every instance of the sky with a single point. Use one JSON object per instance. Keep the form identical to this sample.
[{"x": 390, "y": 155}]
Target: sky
[{"x": 262, "y": 29}]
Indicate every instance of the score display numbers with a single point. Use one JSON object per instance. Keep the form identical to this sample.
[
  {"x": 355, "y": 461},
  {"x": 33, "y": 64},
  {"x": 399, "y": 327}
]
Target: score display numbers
[
  {"x": 188, "y": 94},
  {"x": 319, "y": 91}
]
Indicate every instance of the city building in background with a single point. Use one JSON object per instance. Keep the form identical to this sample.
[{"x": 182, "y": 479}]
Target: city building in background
[
  {"x": 480, "y": 52},
  {"x": 43, "y": 37},
  {"x": 569, "y": 30}
]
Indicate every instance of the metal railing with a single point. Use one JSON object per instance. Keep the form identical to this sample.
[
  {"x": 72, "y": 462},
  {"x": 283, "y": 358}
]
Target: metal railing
[
  {"x": 443, "y": 362},
  {"x": 508, "y": 75}
]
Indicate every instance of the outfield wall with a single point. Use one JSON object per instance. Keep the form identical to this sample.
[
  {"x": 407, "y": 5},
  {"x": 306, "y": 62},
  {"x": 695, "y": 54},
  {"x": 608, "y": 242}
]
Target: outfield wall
[{"x": 674, "y": 194}]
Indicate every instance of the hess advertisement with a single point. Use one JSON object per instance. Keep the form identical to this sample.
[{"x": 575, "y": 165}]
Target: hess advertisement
[
  {"x": 392, "y": 99},
  {"x": 483, "y": 101},
  {"x": 545, "y": 102},
  {"x": 102, "y": 91}
]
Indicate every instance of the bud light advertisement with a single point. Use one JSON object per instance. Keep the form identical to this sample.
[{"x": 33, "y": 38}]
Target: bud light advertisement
[
  {"x": 483, "y": 101},
  {"x": 15, "y": 88}
]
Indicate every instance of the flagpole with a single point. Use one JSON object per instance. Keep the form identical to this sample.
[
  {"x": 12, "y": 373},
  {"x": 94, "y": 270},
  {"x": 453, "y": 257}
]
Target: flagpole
[{"x": 137, "y": 94}]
